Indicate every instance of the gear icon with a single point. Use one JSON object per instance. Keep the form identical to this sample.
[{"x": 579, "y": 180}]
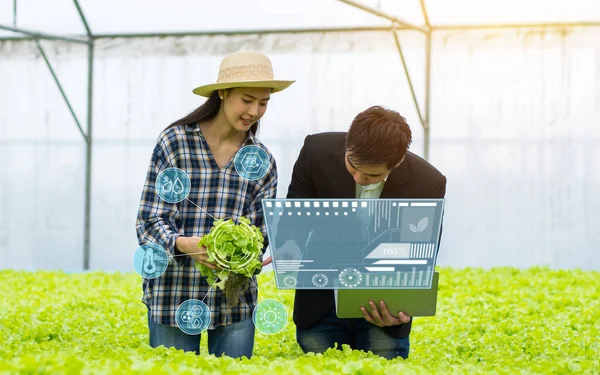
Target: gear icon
[
  {"x": 350, "y": 277},
  {"x": 320, "y": 280}
]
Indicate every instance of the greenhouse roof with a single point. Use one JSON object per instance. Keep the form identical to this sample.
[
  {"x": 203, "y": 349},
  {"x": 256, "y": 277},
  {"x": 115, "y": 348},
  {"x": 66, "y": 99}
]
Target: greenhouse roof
[{"x": 109, "y": 18}]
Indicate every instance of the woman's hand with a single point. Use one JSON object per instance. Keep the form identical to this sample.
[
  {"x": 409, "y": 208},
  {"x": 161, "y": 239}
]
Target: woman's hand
[{"x": 189, "y": 246}]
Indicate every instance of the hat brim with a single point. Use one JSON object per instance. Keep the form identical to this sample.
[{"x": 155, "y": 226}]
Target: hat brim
[{"x": 276, "y": 86}]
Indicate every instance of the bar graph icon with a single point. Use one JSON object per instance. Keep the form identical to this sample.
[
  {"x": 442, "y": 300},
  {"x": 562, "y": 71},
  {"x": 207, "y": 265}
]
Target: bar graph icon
[
  {"x": 415, "y": 278},
  {"x": 423, "y": 250}
]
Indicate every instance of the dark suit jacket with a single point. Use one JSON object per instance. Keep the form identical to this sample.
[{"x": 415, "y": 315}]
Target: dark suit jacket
[{"x": 320, "y": 172}]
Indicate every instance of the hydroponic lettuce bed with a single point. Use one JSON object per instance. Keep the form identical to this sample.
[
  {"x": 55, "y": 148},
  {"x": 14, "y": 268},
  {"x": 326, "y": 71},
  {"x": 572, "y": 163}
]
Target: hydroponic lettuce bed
[{"x": 502, "y": 321}]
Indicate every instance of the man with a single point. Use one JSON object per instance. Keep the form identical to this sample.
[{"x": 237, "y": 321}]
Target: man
[{"x": 371, "y": 160}]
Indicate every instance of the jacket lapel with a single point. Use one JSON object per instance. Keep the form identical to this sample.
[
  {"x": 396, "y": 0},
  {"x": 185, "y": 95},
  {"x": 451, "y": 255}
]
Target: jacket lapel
[
  {"x": 344, "y": 183},
  {"x": 393, "y": 185}
]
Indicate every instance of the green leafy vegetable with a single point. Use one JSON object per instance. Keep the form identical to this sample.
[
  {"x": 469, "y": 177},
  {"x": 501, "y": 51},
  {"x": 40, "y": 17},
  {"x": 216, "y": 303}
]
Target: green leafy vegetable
[
  {"x": 489, "y": 321},
  {"x": 236, "y": 249}
]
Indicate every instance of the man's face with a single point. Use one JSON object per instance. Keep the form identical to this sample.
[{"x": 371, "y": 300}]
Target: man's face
[{"x": 366, "y": 175}]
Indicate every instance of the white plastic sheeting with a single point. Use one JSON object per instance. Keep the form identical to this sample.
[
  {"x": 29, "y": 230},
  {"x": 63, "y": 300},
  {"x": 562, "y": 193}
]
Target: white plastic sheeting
[{"x": 515, "y": 128}]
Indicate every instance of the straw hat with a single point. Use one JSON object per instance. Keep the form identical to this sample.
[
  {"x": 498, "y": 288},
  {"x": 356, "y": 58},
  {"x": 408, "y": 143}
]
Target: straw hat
[{"x": 244, "y": 69}]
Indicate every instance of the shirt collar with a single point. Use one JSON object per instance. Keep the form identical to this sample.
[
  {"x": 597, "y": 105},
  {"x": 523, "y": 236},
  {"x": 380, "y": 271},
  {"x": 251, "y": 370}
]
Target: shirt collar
[
  {"x": 374, "y": 186},
  {"x": 250, "y": 139}
]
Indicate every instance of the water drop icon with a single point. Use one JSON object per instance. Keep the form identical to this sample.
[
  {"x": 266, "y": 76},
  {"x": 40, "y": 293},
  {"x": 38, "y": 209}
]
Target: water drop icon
[
  {"x": 174, "y": 185},
  {"x": 167, "y": 187},
  {"x": 178, "y": 186}
]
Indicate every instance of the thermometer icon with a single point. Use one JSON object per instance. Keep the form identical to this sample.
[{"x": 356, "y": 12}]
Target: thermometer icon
[{"x": 150, "y": 266}]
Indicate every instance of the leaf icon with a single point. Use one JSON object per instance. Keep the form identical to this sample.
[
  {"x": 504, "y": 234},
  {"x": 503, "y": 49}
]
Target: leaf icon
[
  {"x": 423, "y": 224},
  {"x": 412, "y": 228}
]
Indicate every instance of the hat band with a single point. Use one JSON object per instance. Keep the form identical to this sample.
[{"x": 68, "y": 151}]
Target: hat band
[{"x": 246, "y": 73}]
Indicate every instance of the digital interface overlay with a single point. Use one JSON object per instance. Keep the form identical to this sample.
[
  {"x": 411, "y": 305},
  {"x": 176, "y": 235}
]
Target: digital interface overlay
[{"x": 353, "y": 243}]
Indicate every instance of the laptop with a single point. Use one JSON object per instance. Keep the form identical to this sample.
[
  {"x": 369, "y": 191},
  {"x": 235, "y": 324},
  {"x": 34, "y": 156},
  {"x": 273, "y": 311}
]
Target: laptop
[{"x": 413, "y": 302}]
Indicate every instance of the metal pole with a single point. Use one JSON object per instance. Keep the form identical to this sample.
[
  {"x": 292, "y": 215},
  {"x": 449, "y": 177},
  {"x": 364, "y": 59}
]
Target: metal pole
[
  {"x": 246, "y": 32},
  {"x": 384, "y": 15},
  {"x": 83, "y": 19},
  {"x": 285, "y": 31},
  {"x": 15, "y": 13},
  {"x": 36, "y": 35},
  {"x": 88, "y": 143},
  {"x": 88, "y": 160},
  {"x": 412, "y": 90},
  {"x": 518, "y": 26},
  {"x": 229, "y": 33},
  {"x": 426, "y": 124},
  {"x": 425, "y": 15},
  {"x": 62, "y": 92}
]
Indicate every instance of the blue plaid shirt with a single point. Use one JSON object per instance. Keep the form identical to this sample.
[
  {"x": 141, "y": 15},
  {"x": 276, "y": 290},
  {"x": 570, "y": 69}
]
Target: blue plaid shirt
[{"x": 221, "y": 192}]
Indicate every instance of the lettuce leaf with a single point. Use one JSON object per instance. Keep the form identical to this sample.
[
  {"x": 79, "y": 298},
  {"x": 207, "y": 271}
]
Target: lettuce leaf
[{"x": 237, "y": 250}]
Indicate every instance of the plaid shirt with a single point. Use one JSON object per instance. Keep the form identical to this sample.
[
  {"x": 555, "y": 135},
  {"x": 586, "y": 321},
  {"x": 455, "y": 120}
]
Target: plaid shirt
[{"x": 221, "y": 192}]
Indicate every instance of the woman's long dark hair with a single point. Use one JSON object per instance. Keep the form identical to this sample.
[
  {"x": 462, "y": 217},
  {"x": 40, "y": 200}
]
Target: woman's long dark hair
[{"x": 205, "y": 112}]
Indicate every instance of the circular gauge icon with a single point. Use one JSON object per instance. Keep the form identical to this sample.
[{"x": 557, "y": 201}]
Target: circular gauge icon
[
  {"x": 270, "y": 316},
  {"x": 350, "y": 277},
  {"x": 289, "y": 281},
  {"x": 320, "y": 280},
  {"x": 150, "y": 260},
  {"x": 251, "y": 162},
  {"x": 223, "y": 257},
  {"x": 192, "y": 317},
  {"x": 173, "y": 185}
]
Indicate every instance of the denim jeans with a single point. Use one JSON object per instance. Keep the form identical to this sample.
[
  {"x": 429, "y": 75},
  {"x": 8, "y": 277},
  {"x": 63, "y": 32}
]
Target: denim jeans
[
  {"x": 358, "y": 333},
  {"x": 235, "y": 340}
]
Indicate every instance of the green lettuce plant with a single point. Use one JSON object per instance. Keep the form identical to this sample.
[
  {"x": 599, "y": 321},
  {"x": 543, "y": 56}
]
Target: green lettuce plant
[
  {"x": 237, "y": 250},
  {"x": 489, "y": 321}
]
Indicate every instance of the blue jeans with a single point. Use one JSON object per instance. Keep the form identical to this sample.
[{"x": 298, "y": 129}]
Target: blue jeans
[
  {"x": 358, "y": 333},
  {"x": 235, "y": 340}
]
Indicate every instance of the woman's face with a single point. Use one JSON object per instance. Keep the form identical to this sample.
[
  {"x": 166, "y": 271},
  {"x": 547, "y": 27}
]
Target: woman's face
[{"x": 242, "y": 107}]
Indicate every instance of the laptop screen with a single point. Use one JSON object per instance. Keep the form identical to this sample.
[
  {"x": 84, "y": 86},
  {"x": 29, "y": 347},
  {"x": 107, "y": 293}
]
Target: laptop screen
[{"x": 353, "y": 243}]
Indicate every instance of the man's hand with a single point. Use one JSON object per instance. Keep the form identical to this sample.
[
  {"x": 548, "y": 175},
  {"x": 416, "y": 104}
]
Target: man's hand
[
  {"x": 383, "y": 318},
  {"x": 189, "y": 246}
]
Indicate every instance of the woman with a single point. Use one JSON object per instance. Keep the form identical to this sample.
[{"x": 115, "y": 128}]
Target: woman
[{"x": 203, "y": 145}]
